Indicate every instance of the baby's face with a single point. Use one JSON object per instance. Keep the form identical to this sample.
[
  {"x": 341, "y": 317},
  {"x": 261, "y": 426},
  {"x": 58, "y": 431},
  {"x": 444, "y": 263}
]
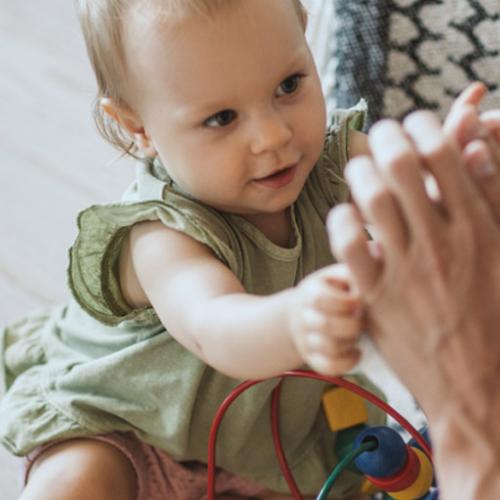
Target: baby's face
[{"x": 233, "y": 105}]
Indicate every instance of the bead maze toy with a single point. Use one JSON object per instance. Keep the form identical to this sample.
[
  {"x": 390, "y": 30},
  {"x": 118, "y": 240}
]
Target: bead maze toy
[{"x": 390, "y": 467}]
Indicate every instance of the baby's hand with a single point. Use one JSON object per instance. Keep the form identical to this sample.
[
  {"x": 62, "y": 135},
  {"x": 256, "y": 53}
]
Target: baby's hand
[{"x": 326, "y": 321}]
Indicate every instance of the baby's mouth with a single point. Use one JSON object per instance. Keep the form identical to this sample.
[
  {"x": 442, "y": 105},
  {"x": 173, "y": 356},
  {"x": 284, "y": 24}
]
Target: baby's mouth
[{"x": 280, "y": 178}]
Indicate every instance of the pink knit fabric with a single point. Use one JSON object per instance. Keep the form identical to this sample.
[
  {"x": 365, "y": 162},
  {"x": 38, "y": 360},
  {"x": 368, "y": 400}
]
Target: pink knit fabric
[{"x": 159, "y": 477}]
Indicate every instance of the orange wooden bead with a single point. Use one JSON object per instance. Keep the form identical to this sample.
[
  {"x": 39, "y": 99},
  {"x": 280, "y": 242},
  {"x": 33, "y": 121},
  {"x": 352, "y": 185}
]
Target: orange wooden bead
[{"x": 343, "y": 408}]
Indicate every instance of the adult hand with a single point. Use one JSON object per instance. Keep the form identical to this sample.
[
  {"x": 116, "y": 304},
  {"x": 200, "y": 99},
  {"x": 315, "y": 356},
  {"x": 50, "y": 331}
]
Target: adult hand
[
  {"x": 478, "y": 135},
  {"x": 431, "y": 284}
]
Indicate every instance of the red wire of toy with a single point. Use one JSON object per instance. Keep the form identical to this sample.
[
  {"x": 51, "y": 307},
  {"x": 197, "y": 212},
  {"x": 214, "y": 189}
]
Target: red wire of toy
[
  {"x": 280, "y": 454},
  {"x": 212, "y": 438},
  {"x": 275, "y": 423}
]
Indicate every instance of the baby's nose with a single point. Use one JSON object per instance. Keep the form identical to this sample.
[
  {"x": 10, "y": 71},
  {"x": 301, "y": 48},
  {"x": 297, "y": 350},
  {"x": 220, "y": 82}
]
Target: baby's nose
[{"x": 270, "y": 131}]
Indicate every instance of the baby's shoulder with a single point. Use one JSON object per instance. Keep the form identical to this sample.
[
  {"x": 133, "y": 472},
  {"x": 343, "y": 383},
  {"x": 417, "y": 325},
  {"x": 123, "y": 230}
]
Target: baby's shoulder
[
  {"x": 151, "y": 252},
  {"x": 101, "y": 264}
]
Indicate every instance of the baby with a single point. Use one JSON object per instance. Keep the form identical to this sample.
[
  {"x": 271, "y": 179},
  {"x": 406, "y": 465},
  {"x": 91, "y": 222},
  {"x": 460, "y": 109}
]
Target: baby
[{"x": 215, "y": 267}]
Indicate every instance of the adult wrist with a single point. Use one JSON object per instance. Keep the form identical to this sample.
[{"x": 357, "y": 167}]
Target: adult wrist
[
  {"x": 462, "y": 410},
  {"x": 466, "y": 456}
]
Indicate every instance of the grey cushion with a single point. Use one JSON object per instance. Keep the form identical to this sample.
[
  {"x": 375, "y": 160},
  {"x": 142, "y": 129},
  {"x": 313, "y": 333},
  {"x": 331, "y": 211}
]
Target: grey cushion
[{"x": 406, "y": 54}]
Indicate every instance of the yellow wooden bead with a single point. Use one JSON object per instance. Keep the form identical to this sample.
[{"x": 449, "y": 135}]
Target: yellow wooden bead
[
  {"x": 423, "y": 482},
  {"x": 368, "y": 488},
  {"x": 343, "y": 408}
]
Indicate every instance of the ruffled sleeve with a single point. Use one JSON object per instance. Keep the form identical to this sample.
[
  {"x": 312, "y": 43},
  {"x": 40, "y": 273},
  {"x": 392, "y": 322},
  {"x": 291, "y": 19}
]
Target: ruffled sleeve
[{"x": 93, "y": 267}]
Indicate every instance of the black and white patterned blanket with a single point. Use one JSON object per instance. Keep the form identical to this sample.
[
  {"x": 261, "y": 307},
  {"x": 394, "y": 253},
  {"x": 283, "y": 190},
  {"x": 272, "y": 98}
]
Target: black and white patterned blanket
[{"x": 401, "y": 55}]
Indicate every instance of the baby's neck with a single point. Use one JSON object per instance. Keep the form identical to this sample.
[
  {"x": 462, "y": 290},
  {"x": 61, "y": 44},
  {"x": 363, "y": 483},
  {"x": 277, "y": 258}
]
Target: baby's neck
[{"x": 277, "y": 227}]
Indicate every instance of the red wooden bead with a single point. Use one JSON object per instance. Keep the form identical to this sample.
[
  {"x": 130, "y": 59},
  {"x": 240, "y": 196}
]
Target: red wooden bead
[
  {"x": 423, "y": 482},
  {"x": 404, "y": 478}
]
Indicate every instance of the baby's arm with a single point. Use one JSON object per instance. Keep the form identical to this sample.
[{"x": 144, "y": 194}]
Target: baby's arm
[{"x": 205, "y": 308}]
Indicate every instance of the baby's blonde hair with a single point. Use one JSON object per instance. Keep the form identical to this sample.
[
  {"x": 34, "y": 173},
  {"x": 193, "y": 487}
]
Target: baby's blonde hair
[{"x": 101, "y": 22}]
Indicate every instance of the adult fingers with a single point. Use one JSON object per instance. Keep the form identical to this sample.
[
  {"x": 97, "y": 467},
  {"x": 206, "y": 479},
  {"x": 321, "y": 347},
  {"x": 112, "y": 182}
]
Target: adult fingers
[
  {"x": 465, "y": 126},
  {"x": 473, "y": 94},
  {"x": 376, "y": 203},
  {"x": 396, "y": 159},
  {"x": 467, "y": 102},
  {"x": 468, "y": 126},
  {"x": 349, "y": 244},
  {"x": 443, "y": 159},
  {"x": 491, "y": 120},
  {"x": 486, "y": 174}
]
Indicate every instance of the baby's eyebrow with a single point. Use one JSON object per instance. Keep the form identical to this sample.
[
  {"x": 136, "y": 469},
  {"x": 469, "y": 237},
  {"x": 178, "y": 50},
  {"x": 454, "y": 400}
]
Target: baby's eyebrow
[
  {"x": 196, "y": 111},
  {"x": 190, "y": 111},
  {"x": 299, "y": 56}
]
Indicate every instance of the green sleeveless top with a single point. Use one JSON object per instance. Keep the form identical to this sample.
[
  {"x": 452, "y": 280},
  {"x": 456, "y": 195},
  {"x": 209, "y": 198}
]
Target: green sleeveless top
[{"x": 95, "y": 365}]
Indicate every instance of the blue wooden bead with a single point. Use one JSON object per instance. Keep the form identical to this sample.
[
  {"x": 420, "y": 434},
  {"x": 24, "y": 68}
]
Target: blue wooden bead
[
  {"x": 344, "y": 444},
  {"x": 387, "y": 459}
]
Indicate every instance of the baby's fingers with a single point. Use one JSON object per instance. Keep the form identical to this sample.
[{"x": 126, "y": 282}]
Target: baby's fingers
[
  {"x": 319, "y": 343},
  {"x": 331, "y": 357},
  {"x": 338, "y": 327},
  {"x": 326, "y": 295}
]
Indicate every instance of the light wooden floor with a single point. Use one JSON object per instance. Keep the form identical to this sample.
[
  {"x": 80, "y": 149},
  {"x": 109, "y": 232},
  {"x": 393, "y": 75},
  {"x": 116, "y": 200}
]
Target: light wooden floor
[{"x": 52, "y": 162}]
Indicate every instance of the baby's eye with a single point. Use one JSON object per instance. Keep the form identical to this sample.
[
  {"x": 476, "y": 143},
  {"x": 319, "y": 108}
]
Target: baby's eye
[
  {"x": 290, "y": 85},
  {"x": 221, "y": 119}
]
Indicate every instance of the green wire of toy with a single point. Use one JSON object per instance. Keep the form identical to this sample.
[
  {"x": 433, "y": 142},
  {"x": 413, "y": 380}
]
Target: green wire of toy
[{"x": 352, "y": 455}]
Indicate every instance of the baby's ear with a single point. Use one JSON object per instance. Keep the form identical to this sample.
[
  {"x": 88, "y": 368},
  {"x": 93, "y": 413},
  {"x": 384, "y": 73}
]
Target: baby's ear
[
  {"x": 131, "y": 123},
  {"x": 126, "y": 118}
]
